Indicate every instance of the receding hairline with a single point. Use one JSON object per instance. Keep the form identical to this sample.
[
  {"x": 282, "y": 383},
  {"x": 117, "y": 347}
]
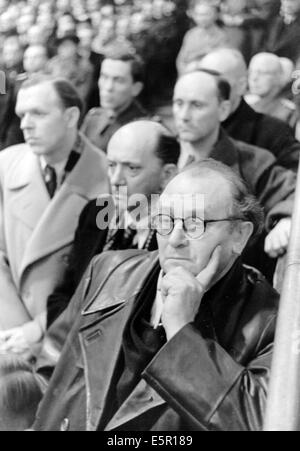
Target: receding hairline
[
  {"x": 268, "y": 58},
  {"x": 50, "y": 83},
  {"x": 198, "y": 172},
  {"x": 200, "y": 73},
  {"x": 231, "y": 55},
  {"x": 139, "y": 129}
]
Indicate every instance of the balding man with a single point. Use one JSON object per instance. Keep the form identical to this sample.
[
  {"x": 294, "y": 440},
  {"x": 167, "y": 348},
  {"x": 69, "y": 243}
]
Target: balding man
[
  {"x": 142, "y": 158},
  {"x": 244, "y": 123},
  {"x": 201, "y": 104},
  {"x": 179, "y": 340},
  {"x": 266, "y": 81}
]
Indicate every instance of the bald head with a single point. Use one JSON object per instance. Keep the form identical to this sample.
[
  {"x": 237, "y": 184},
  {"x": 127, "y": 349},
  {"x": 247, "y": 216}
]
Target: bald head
[
  {"x": 231, "y": 64},
  {"x": 201, "y": 81},
  {"x": 148, "y": 137},
  {"x": 144, "y": 135},
  {"x": 142, "y": 157},
  {"x": 228, "y": 62},
  {"x": 267, "y": 62},
  {"x": 265, "y": 75}
]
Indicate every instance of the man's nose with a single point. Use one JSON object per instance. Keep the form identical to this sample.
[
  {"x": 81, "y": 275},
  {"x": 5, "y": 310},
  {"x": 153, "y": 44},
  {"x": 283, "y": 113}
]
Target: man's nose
[
  {"x": 184, "y": 113},
  {"x": 26, "y": 122},
  {"x": 117, "y": 177},
  {"x": 107, "y": 85},
  {"x": 178, "y": 237}
]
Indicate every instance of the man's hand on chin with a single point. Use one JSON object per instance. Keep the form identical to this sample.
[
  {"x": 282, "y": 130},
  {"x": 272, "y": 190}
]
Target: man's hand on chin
[{"x": 182, "y": 294}]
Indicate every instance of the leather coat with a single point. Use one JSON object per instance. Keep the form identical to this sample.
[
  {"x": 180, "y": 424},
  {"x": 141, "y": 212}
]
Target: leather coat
[{"x": 210, "y": 376}]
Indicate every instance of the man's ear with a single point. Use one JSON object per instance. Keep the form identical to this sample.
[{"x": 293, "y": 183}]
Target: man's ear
[
  {"x": 137, "y": 88},
  {"x": 224, "y": 110},
  {"x": 169, "y": 171},
  {"x": 72, "y": 116},
  {"x": 242, "y": 235},
  {"x": 242, "y": 86}
]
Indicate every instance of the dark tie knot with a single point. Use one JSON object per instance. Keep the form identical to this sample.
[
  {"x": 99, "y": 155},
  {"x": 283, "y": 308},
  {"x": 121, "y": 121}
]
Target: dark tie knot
[{"x": 50, "y": 180}]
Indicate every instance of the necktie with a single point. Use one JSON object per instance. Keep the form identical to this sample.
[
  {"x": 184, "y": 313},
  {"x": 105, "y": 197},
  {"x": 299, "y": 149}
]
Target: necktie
[
  {"x": 127, "y": 239},
  {"x": 50, "y": 180}
]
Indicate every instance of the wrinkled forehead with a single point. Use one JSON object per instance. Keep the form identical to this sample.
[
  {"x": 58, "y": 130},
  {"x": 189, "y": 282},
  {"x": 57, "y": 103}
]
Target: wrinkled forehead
[
  {"x": 182, "y": 205},
  {"x": 208, "y": 196}
]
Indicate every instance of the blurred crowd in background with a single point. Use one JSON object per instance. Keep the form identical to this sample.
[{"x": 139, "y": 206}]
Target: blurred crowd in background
[
  {"x": 69, "y": 38},
  {"x": 156, "y": 60}
]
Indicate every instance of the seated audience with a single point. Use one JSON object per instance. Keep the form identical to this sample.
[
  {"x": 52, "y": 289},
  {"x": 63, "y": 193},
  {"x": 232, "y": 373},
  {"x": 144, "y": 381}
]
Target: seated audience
[
  {"x": 266, "y": 81},
  {"x": 120, "y": 83},
  {"x": 201, "y": 104},
  {"x": 12, "y": 56},
  {"x": 20, "y": 394},
  {"x": 205, "y": 37},
  {"x": 179, "y": 340},
  {"x": 284, "y": 34},
  {"x": 44, "y": 186},
  {"x": 142, "y": 158},
  {"x": 244, "y": 123},
  {"x": 70, "y": 65}
]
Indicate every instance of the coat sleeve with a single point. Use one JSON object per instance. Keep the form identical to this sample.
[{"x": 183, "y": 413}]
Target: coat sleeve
[
  {"x": 88, "y": 242},
  {"x": 206, "y": 387},
  {"x": 273, "y": 185},
  {"x": 283, "y": 143},
  {"x": 12, "y": 310},
  {"x": 57, "y": 334}
]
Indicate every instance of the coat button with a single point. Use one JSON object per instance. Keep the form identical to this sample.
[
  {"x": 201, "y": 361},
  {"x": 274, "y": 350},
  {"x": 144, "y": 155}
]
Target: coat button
[
  {"x": 65, "y": 425},
  {"x": 65, "y": 259}
]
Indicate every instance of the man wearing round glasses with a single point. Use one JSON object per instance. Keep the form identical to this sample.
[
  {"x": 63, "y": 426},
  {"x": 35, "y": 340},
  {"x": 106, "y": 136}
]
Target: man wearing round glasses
[{"x": 179, "y": 341}]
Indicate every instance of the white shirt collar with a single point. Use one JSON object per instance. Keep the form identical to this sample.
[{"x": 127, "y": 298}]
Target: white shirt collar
[
  {"x": 141, "y": 227},
  {"x": 59, "y": 169}
]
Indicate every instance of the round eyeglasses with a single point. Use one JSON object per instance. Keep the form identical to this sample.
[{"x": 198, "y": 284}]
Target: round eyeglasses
[{"x": 194, "y": 228}]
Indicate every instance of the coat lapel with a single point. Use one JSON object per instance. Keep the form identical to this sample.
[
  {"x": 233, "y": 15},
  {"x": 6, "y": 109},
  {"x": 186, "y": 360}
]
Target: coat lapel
[
  {"x": 30, "y": 198},
  {"x": 226, "y": 152},
  {"x": 142, "y": 399},
  {"x": 101, "y": 340},
  {"x": 57, "y": 224}
]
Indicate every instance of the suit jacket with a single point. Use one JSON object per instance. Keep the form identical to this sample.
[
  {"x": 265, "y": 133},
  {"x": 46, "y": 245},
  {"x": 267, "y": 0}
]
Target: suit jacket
[
  {"x": 89, "y": 241},
  {"x": 36, "y": 233},
  {"x": 265, "y": 132},
  {"x": 212, "y": 375},
  {"x": 278, "y": 107},
  {"x": 99, "y": 128},
  {"x": 284, "y": 39},
  {"x": 272, "y": 185}
]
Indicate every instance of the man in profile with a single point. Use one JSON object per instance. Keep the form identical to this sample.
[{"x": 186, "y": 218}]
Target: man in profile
[{"x": 43, "y": 189}]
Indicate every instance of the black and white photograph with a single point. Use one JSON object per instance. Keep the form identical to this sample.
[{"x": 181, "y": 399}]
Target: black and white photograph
[{"x": 149, "y": 218}]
